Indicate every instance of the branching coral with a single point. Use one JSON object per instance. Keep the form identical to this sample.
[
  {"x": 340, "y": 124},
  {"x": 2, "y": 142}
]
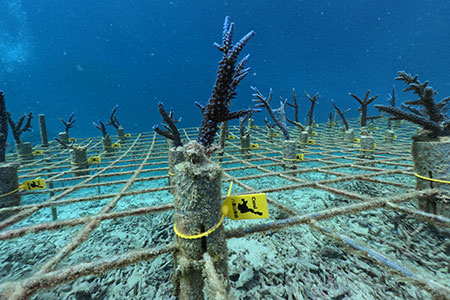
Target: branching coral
[
  {"x": 101, "y": 127},
  {"x": 69, "y": 123},
  {"x": 229, "y": 75},
  {"x": 313, "y": 100},
  {"x": 169, "y": 121},
  {"x": 295, "y": 105},
  {"x": 3, "y": 127},
  {"x": 281, "y": 111},
  {"x": 113, "y": 119},
  {"x": 431, "y": 116},
  {"x": 364, "y": 105},
  {"x": 341, "y": 114},
  {"x": 20, "y": 127},
  {"x": 242, "y": 121}
]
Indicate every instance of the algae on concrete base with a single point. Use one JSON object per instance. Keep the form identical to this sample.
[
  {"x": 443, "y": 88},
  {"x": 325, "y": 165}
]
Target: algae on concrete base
[
  {"x": 245, "y": 146},
  {"x": 367, "y": 144},
  {"x": 197, "y": 209},
  {"x": 9, "y": 181},
  {"x": 176, "y": 156},
  {"x": 289, "y": 155},
  {"x": 432, "y": 160},
  {"x": 43, "y": 130},
  {"x": 107, "y": 145},
  {"x": 78, "y": 158},
  {"x": 63, "y": 137},
  {"x": 25, "y": 151}
]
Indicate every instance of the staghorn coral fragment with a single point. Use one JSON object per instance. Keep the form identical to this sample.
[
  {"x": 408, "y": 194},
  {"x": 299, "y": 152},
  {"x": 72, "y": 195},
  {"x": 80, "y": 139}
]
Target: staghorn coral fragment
[
  {"x": 280, "y": 121},
  {"x": 424, "y": 111},
  {"x": 171, "y": 131},
  {"x": 229, "y": 75}
]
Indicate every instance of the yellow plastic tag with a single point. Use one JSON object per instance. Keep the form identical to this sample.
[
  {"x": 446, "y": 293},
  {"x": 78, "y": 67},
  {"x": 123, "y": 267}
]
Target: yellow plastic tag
[
  {"x": 128, "y": 135},
  {"x": 38, "y": 152},
  {"x": 242, "y": 207},
  {"x": 72, "y": 140},
  {"x": 374, "y": 146},
  {"x": 314, "y": 133},
  {"x": 356, "y": 140},
  {"x": 116, "y": 145},
  {"x": 316, "y": 125},
  {"x": 300, "y": 156},
  {"x": 276, "y": 134},
  {"x": 254, "y": 146},
  {"x": 35, "y": 184},
  {"x": 333, "y": 123},
  {"x": 394, "y": 137},
  {"x": 255, "y": 126},
  {"x": 231, "y": 137},
  {"x": 376, "y": 128},
  {"x": 310, "y": 142},
  {"x": 94, "y": 160}
]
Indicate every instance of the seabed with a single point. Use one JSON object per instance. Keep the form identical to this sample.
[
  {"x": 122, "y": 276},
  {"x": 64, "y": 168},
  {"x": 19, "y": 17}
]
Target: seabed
[{"x": 340, "y": 226}]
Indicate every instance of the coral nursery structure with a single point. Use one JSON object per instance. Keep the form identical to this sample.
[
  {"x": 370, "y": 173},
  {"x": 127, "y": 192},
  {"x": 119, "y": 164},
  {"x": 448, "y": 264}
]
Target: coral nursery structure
[{"x": 164, "y": 216}]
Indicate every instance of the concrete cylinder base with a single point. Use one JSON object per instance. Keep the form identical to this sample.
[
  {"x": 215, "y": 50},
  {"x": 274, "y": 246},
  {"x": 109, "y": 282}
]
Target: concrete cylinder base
[
  {"x": 303, "y": 138},
  {"x": 176, "y": 156},
  {"x": 121, "y": 134},
  {"x": 289, "y": 155},
  {"x": 367, "y": 143},
  {"x": 349, "y": 136},
  {"x": 43, "y": 130},
  {"x": 80, "y": 165},
  {"x": 25, "y": 151},
  {"x": 64, "y": 137},
  {"x": 270, "y": 134},
  {"x": 245, "y": 146},
  {"x": 197, "y": 208},
  {"x": 9, "y": 181},
  {"x": 432, "y": 160},
  {"x": 107, "y": 145}
]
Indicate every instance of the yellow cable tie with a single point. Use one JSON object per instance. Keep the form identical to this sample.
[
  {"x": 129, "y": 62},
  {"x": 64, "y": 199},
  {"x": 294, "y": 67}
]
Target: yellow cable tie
[
  {"x": 12, "y": 192},
  {"x": 81, "y": 163},
  {"x": 432, "y": 179},
  {"x": 292, "y": 159},
  {"x": 200, "y": 235},
  {"x": 367, "y": 150},
  {"x": 208, "y": 232},
  {"x": 171, "y": 174}
]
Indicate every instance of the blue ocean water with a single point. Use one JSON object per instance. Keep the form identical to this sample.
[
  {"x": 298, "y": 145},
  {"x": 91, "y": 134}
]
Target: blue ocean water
[{"x": 85, "y": 56}]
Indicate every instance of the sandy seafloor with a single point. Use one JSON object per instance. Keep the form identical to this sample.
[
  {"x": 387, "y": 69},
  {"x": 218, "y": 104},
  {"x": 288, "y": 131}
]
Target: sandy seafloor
[{"x": 294, "y": 263}]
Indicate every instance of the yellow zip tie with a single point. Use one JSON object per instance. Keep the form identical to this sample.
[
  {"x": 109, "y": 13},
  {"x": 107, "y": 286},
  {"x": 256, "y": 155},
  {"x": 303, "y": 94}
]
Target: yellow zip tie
[
  {"x": 12, "y": 192},
  {"x": 292, "y": 159},
  {"x": 211, "y": 230},
  {"x": 171, "y": 174},
  {"x": 432, "y": 179},
  {"x": 81, "y": 163}
]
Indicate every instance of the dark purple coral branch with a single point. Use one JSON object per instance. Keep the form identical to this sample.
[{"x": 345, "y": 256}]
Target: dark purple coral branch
[
  {"x": 101, "y": 127},
  {"x": 69, "y": 123},
  {"x": 171, "y": 131},
  {"x": 113, "y": 119},
  {"x": 229, "y": 75},
  {"x": 364, "y": 106}
]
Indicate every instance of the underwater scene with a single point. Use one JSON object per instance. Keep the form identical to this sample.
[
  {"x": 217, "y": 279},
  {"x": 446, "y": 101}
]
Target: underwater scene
[{"x": 224, "y": 150}]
